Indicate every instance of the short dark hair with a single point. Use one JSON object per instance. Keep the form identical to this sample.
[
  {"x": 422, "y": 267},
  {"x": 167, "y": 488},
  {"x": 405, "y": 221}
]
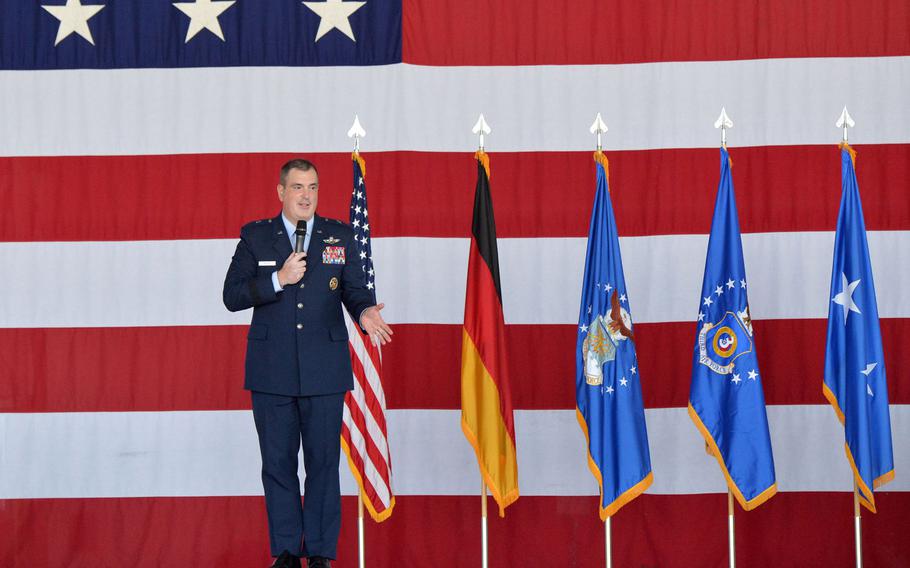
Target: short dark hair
[{"x": 296, "y": 164}]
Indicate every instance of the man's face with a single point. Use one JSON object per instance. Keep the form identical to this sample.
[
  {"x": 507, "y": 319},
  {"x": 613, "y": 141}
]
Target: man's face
[{"x": 299, "y": 195}]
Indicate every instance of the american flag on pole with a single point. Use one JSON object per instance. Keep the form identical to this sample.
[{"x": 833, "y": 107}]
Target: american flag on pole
[{"x": 364, "y": 435}]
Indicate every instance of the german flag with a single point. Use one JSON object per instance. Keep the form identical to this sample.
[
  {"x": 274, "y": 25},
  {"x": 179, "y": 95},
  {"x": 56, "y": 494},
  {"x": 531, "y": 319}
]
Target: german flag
[{"x": 486, "y": 402}]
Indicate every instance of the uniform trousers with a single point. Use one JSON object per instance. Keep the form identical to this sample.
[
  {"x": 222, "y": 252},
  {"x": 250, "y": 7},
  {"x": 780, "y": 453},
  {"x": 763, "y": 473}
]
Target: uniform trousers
[{"x": 282, "y": 423}]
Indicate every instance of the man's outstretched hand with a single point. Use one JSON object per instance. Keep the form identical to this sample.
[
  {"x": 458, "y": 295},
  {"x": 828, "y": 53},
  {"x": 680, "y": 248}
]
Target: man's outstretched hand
[{"x": 371, "y": 321}]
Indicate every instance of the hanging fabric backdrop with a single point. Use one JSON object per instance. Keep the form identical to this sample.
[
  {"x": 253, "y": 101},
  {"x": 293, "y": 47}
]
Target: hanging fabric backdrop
[{"x": 135, "y": 149}]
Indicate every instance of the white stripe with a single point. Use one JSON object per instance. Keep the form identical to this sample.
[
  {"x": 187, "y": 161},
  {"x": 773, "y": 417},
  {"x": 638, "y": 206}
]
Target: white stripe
[
  {"x": 113, "y": 284},
  {"x": 156, "y": 283},
  {"x": 374, "y": 381},
  {"x": 653, "y": 105},
  {"x": 100, "y": 454},
  {"x": 372, "y": 427}
]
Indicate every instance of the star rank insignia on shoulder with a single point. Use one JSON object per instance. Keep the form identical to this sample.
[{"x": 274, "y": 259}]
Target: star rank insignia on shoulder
[
  {"x": 258, "y": 224},
  {"x": 331, "y": 241}
]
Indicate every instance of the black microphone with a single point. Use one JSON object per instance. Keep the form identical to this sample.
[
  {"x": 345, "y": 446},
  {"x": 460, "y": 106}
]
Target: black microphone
[{"x": 301, "y": 236}]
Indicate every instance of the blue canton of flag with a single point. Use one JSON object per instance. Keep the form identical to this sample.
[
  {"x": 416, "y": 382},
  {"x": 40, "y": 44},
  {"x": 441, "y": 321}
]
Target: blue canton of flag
[
  {"x": 360, "y": 222},
  {"x": 607, "y": 386},
  {"x": 114, "y": 34},
  {"x": 726, "y": 400},
  {"x": 854, "y": 361}
]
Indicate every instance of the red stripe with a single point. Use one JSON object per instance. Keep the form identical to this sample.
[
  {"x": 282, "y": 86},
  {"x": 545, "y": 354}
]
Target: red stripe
[
  {"x": 374, "y": 457},
  {"x": 355, "y": 456},
  {"x": 512, "y": 32},
  {"x": 117, "y": 369},
  {"x": 792, "y": 529},
  {"x": 790, "y": 354},
  {"x": 372, "y": 451},
  {"x": 654, "y": 192},
  {"x": 484, "y": 324},
  {"x": 71, "y": 370},
  {"x": 375, "y": 410},
  {"x": 371, "y": 397},
  {"x": 364, "y": 386}
]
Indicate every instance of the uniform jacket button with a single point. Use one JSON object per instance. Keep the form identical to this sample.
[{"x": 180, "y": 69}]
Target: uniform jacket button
[{"x": 299, "y": 326}]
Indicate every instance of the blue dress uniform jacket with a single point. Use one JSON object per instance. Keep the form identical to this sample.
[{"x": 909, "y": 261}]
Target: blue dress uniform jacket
[{"x": 297, "y": 344}]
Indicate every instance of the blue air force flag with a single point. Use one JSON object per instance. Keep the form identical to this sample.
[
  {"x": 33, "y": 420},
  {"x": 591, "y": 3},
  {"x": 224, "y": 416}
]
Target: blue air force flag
[
  {"x": 854, "y": 361},
  {"x": 726, "y": 400},
  {"x": 607, "y": 388}
]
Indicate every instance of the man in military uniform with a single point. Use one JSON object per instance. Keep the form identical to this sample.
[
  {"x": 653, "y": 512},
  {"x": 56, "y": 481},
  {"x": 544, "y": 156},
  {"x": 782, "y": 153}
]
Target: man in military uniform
[{"x": 298, "y": 365}]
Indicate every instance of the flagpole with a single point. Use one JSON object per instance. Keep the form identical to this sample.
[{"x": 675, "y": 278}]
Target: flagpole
[
  {"x": 361, "y": 551},
  {"x": 723, "y": 122},
  {"x": 857, "y": 532},
  {"x": 483, "y": 523},
  {"x": 731, "y": 533},
  {"x": 609, "y": 543},
  {"x": 357, "y": 132},
  {"x": 481, "y": 128},
  {"x": 599, "y": 127},
  {"x": 846, "y": 121}
]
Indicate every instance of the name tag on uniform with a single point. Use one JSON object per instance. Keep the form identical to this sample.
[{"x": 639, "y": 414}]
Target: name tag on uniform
[
  {"x": 267, "y": 263},
  {"x": 333, "y": 255}
]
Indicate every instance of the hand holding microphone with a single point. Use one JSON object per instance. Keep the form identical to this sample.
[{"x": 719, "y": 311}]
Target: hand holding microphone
[
  {"x": 300, "y": 234},
  {"x": 294, "y": 266}
]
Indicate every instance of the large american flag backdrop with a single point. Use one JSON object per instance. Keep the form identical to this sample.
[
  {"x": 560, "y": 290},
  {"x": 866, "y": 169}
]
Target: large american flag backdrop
[{"x": 137, "y": 138}]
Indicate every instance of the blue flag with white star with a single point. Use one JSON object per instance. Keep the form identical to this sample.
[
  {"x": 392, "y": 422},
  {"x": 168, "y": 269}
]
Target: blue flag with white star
[
  {"x": 854, "y": 361},
  {"x": 607, "y": 387},
  {"x": 726, "y": 399}
]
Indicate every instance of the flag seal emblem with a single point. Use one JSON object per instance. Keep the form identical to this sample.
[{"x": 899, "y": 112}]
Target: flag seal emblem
[
  {"x": 605, "y": 333},
  {"x": 333, "y": 283},
  {"x": 598, "y": 349},
  {"x": 724, "y": 342},
  {"x": 721, "y": 343}
]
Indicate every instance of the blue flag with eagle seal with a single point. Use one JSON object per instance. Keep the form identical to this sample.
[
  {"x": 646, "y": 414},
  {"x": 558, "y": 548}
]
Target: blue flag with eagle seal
[
  {"x": 726, "y": 399},
  {"x": 854, "y": 360},
  {"x": 607, "y": 386}
]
